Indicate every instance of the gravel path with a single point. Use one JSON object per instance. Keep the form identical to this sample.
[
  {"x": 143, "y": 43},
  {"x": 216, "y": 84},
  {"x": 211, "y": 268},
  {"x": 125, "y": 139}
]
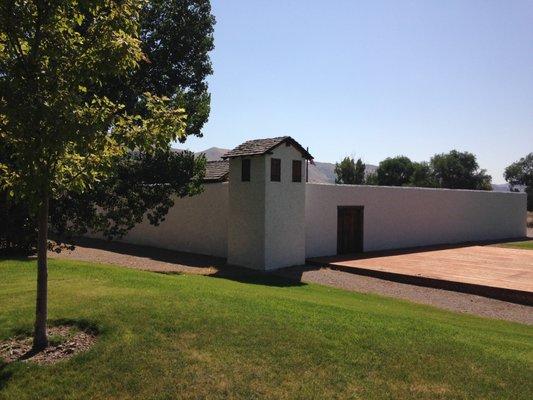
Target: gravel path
[
  {"x": 167, "y": 261},
  {"x": 446, "y": 299}
]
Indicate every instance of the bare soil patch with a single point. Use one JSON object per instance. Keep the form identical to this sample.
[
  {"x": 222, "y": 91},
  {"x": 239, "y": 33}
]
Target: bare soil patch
[{"x": 65, "y": 342}]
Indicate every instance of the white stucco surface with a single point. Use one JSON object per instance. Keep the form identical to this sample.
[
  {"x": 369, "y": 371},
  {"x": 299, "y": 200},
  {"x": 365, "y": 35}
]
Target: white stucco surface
[
  {"x": 267, "y": 225},
  {"x": 267, "y": 219},
  {"x": 284, "y": 212},
  {"x": 246, "y": 229},
  {"x": 197, "y": 224},
  {"x": 399, "y": 217}
]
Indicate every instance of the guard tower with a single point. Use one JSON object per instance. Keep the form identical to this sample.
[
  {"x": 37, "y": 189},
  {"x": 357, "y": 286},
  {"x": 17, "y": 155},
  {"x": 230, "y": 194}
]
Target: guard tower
[{"x": 266, "y": 222}]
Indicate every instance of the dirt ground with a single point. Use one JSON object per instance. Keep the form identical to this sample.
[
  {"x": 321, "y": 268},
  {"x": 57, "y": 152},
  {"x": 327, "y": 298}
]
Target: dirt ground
[
  {"x": 167, "y": 261},
  {"x": 69, "y": 343}
]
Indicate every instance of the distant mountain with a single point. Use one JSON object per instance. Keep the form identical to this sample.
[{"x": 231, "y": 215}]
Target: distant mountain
[
  {"x": 321, "y": 172},
  {"x": 213, "y": 153}
]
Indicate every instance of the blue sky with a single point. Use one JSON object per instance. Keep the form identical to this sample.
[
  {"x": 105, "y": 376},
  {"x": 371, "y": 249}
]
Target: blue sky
[{"x": 375, "y": 79}]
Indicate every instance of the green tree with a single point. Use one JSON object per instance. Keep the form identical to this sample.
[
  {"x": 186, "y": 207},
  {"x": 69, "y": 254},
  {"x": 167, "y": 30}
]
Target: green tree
[
  {"x": 18, "y": 235},
  {"x": 371, "y": 179},
  {"x": 61, "y": 128},
  {"x": 176, "y": 38},
  {"x": 520, "y": 173},
  {"x": 140, "y": 185},
  {"x": 422, "y": 175},
  {"x": 350, "y": 172},
  {"x": 459, "y": 170},
  {"x": 395, "y": 171}
]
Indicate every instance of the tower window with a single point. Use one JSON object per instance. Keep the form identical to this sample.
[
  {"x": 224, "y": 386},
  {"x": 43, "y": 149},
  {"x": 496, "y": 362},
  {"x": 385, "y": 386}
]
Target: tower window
[
  {"x": 275, "y": 170},
  {"x": 245, "y": 171},
  {"x": 296, "y": 170}
]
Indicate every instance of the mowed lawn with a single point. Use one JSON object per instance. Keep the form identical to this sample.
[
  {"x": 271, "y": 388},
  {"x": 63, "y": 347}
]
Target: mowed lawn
[{"x": 195, "y": 337}]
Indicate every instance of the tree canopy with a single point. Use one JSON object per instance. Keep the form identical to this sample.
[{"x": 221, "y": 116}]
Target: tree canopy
[
  {"x": 176, "y": 37},
  {"x": 61, "y": 130},
  {"x": 87, "y": 96},
  {"x": 422, "y": 175},
  {"x": 520, "y": 173},
  {"x": 394, "y": 171},
  {"x": 453, "y": 170},
  {"x": 459, "y": 170},
  {"x": 350, "y": 172}
]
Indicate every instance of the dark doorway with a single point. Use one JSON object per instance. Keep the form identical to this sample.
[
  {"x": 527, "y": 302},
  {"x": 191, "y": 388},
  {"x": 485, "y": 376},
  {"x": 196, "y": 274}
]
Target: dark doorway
[{"x": 349, "y": 229}]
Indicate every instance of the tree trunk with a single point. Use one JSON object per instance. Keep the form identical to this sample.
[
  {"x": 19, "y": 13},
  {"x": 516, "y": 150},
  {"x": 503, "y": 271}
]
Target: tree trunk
[{"x": 40, "y": 339}]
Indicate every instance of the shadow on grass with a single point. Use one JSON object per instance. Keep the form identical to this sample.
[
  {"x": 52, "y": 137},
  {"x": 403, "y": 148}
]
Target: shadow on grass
[
  {"x": 244, "y": 275},
  {"x": 29, "y": 259},
  {"x": 82, "y": 324},
  {"x": 5, "y": 375}
]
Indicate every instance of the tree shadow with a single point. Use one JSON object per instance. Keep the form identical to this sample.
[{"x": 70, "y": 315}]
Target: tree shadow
[
  {"x": 82, "y": 324},
  {"x": 5, "y": 375}
]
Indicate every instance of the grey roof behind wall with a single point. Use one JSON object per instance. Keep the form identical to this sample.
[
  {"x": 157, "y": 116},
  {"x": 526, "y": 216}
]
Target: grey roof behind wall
[{"x": 216, "y": 171}]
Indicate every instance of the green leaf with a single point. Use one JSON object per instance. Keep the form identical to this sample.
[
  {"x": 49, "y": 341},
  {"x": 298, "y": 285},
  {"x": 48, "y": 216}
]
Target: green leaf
[{"x": 79, "y": 18}]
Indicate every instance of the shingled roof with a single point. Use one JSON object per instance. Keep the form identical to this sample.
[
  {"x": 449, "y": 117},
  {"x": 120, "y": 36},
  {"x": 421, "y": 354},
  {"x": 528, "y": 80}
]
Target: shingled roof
[
  {"x": 262, "y": 146},
  {"x": 216, "y": 171}
]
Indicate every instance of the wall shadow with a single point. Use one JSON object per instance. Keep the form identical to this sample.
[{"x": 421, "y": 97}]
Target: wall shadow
[
  {"x": 153, "y": 253},
  {"x": 249, "y": 276},
  {"x": 218, "y": 264}
]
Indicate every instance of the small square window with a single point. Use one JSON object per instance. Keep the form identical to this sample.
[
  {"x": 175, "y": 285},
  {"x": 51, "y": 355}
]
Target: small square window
[
  {"x": 245, "y": 172},
  {"x": 296, "y": 170},
  {"x": 275, "y": 170}
]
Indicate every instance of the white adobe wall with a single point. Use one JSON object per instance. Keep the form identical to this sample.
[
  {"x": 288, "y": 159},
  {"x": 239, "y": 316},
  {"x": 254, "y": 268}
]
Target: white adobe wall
[
  {"x": 402, "y": 217},
  {"x": 246, "y": 228},
  {"x": 197, "y": 224},
  {"x": 284, "y": 212}
]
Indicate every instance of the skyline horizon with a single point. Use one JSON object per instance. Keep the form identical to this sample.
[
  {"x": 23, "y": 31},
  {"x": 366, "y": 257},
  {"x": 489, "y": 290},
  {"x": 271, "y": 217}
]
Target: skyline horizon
[
  {"x": 419, "y": 78},
  {"x": 373, "y": 164}
]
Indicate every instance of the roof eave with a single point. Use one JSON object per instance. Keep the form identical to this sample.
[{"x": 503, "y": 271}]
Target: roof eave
[
  {"x": 289, "y": 139},
  {"x": 298, "y": 146}
]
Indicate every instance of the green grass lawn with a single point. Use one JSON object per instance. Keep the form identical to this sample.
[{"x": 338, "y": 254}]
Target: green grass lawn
[
  {"x": 194, "y": 337},
  {"x": 524, "y": 245}
]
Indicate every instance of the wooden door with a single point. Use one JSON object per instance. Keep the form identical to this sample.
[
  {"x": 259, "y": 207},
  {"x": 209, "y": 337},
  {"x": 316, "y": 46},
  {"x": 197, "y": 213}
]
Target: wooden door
[{"x": 349, "y": 229}]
